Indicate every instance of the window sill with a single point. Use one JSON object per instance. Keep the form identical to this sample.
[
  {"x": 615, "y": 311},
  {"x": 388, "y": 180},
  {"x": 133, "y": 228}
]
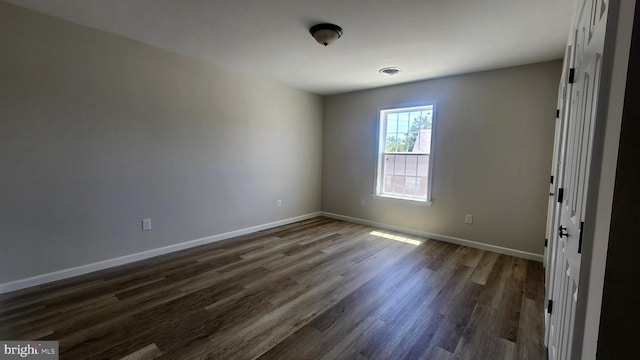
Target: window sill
[{"x": 404, "y": 200}]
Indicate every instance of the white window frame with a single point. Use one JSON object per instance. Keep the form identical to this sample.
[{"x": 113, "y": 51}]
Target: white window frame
[{"x": 382, "y": 135}]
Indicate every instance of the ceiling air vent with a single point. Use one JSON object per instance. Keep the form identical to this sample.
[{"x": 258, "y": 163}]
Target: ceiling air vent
[{"x": 390, "y": 70}]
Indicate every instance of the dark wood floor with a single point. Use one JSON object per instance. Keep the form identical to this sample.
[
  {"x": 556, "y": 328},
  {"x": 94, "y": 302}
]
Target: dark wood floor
[{"x": 317, "y": 289}]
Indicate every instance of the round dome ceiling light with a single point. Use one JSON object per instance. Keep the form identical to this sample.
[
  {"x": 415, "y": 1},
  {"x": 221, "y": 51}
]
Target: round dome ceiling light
[
  {"x": 326, "y": 34},
  {"x": 390, "y": 70}
]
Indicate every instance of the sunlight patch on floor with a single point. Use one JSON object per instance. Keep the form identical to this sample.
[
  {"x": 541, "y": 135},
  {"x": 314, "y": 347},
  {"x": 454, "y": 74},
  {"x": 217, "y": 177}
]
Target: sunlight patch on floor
[{"x": 400, "y": 238}]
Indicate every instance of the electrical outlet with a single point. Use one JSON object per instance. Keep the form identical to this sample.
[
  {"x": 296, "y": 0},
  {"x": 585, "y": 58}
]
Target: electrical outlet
[
  {"x": 468, "y": 219},
  {"x": 279, "y": 203},
  {"x": 146, "y": 224},
  {"x": 362, "y": 202}
]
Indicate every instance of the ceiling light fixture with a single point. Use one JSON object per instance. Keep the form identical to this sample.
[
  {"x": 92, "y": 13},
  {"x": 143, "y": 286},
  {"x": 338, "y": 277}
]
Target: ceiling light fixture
[
  {"x": 326, "y": 34},
  {"x": 390, "y": 70}
]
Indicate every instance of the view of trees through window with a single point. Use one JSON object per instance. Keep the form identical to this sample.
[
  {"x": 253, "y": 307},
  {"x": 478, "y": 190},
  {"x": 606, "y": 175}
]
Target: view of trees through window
[{"x": 401, "y": 137}]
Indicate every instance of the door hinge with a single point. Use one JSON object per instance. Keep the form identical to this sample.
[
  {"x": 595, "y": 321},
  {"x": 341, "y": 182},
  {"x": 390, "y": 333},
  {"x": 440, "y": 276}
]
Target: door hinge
[
  {"x": 580, "y": 238},
  {"x": 552, "y": 179},
  {"x": 549, "y": 306},
  {"x": 557, "y": 113},
  {"x": 572, "y": 75},
  {"x": 560, "y": 195},
  {"x": 546, "y": 242}
]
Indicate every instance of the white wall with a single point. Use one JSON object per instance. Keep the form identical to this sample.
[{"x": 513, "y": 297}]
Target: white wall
[
  {"x": 98, "y": 132},
  {"x": 493, "y": 145}
]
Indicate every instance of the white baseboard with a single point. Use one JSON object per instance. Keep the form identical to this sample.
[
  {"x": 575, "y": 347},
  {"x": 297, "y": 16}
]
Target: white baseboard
[
  {"x": 100, "y": 265},
  {"x": 451, "y": 239}
]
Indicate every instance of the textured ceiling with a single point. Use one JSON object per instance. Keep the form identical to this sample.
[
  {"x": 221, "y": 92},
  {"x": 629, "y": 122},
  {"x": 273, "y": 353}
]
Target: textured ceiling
[{"x": 270, "y": 38}]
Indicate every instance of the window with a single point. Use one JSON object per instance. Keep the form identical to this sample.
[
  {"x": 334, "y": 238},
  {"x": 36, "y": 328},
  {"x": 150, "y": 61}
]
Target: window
[{"x": 405, "y": 153}]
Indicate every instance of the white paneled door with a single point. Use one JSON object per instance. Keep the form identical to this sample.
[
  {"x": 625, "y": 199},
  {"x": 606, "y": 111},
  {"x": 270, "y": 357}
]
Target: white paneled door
[{"x": 579, "y": 94}]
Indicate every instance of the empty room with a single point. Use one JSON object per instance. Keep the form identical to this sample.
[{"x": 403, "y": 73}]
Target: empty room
[{"x": 290, "y": 179}]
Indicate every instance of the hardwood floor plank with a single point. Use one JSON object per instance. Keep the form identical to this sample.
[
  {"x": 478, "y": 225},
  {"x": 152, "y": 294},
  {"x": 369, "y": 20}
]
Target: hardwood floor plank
[
  {"x": 305, "y": 343},
  {"x": 483, "y": 269},
  {"x": 437, "y": 353},
  {"x": 343, "y": 319},
  {"x": 534, "y": 286},
  {"x": 510, "y": 307},
  {"x": 148, "y": 352},
  {"x": 530, "y": 343},
  {"x": 316, "y": 289}
]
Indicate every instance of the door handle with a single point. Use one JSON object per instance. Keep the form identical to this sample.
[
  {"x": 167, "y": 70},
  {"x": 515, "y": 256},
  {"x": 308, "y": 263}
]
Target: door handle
[{"x": 562, "y": 231}]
